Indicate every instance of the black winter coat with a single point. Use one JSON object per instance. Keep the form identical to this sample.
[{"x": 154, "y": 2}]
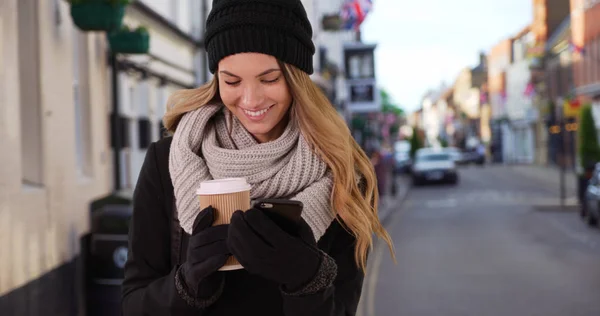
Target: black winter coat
[{"x": 157, "y": 246}]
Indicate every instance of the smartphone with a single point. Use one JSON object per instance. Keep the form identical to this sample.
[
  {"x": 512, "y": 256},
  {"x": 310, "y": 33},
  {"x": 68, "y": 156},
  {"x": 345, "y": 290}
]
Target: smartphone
[{"x": 285, "y": 213}]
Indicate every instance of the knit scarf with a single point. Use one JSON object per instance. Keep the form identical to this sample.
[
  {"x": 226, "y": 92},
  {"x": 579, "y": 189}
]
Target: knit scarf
[{"x": 210, "y": 143}]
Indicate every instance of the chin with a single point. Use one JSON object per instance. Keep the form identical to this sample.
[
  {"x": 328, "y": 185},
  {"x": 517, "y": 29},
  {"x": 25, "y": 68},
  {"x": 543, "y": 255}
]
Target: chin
[{"x": 257, "y": 129}]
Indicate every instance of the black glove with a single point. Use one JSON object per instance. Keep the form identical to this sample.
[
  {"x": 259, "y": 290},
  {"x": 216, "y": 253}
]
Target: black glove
[
  {"x": 263, "y": 248},
  {"x": 207, "y": 252}
]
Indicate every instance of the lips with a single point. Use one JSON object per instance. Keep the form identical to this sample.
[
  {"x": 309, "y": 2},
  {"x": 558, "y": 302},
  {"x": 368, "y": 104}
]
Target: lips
[{"x": 256, "y": 115}]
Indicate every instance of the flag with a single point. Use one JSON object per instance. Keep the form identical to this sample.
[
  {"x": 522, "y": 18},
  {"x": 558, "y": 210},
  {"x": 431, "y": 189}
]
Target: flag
[
  {"x": 483, "y": 98},
  {"x": 576, "y": 49},
  {"x": 529, "y": 90},
  {"x": 354, "y": 13}
]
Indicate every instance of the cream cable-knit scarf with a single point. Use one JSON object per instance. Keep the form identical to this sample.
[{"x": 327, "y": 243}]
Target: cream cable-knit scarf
[{"x": 210, "y": 143}]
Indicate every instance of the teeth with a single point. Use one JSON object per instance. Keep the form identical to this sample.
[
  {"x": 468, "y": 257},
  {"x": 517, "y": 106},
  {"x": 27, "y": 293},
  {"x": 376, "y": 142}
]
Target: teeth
[{"x": 258, "y": 113}]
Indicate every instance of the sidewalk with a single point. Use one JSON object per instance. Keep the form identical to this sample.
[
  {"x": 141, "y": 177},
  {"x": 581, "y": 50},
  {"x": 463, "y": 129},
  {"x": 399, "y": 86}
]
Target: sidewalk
[
  {"x": 389, "y": 204},
  {"x": 548, "y": 174}
]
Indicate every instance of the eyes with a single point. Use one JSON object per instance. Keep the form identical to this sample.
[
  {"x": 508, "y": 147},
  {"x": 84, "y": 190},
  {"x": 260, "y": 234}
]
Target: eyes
[{"x": 235, "y": 83}]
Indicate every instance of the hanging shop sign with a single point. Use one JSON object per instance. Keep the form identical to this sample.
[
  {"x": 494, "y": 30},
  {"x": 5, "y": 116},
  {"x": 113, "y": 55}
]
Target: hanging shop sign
[
  {"x": 571, "y": 107},
  {"x": 359, "y": 63}
]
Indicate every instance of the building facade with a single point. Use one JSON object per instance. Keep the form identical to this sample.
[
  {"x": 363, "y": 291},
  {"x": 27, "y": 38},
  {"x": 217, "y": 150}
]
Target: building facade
[
  {"x": 60, "y": 89},
  {"x": 519, "y": 135},
  {"x": 142, "y": 84},
  {"x": 54, "y": 109},
  {"x": 330, "y": 57},
  {"x": 547, "y": 17},
  {"x": 498, "y": 61},
  {"x": 468, "y": 102},
  {"x": 585, "y": 32},
  {"x": 560, "y": 83}
]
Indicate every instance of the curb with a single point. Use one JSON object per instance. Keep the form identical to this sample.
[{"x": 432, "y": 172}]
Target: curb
[
  {"x": 404, "y": 185},
  {"x": 385, "y": 215}
]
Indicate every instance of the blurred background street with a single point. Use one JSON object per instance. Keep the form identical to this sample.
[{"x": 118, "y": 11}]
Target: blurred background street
[{"x": 497, "y": 244}]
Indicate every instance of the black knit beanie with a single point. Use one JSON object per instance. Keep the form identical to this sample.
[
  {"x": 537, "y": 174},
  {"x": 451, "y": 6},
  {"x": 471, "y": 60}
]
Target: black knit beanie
[{"x": 279, "y": 28}]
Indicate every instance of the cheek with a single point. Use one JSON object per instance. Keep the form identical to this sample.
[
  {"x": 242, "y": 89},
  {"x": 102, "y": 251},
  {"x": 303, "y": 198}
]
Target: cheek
[
  {"x": 228, "y": 97},
  {"x": 281, "y": 95}
]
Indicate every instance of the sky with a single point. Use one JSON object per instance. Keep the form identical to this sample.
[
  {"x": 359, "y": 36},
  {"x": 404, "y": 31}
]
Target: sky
[{"x": 421, "y": 44}]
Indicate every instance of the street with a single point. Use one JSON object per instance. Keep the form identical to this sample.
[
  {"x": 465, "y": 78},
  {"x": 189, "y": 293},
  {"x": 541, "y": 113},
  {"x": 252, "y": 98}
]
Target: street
[{"x": 495, "y": 244}]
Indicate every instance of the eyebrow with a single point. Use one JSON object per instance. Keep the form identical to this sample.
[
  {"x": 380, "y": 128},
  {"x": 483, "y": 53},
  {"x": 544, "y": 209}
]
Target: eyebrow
[{"x": 261, "y": 74}]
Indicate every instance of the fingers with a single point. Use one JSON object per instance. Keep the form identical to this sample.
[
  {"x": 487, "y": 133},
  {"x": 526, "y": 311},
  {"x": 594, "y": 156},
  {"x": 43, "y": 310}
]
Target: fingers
[
  {"x": 208, "y": 235},
  {"x": 208, "y": 267},
  {"x": 207, "y": 252},
  {"x": 203, "y": 220},
  {"x": 264, "y": 227},
  {"x": 306, "y": 233},
  {"x": 243, "y": 241}
]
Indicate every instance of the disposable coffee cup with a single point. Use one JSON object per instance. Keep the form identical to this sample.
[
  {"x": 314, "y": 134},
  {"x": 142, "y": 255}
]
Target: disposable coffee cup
[{"x": 226, "y": 196}]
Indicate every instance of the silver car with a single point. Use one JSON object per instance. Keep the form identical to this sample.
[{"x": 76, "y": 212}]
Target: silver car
[{"x": 434, "y": 165}]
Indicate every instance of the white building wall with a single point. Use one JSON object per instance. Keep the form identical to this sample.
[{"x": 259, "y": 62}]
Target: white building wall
[
  {"x": 519, "y": 108},
  {"x": 144, "y": 98},
  {"x": 518, "y": 76},
  {"x": 40, "y": 224}
]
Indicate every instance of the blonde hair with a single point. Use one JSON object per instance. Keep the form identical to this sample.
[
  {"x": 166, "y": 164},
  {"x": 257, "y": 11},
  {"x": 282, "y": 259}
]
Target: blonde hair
[{"x": 355, "y": 196}]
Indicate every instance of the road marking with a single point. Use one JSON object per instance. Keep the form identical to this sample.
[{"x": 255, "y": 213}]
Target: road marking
[{"x": 441, "y": 203}]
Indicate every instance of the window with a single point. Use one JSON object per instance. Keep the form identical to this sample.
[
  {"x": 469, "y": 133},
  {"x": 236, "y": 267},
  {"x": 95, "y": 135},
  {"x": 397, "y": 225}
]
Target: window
[
  {"x": 322, "y": 58},
  {"x": 519, "y": 49},
  {"x": 144, "y": 133},
  {"x": 596, "y": 60},
  {"x": 30, "y": 111},
  {"x": 587, "y": 68},
  {"x": 125, "y": 132},
  {"x": 360, "y": 64},
  {"x": 362, "y": 93},
  {"x": 81, "y": 105},
  {"x": 592, "y": 61}
]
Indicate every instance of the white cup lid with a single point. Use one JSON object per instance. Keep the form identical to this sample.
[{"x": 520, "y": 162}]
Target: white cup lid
[{"x": 223, "y": 186}]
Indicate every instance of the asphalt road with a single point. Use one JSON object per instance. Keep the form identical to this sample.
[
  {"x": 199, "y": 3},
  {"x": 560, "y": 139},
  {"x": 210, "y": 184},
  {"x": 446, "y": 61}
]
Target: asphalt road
[{"x": 495, "y": 244}]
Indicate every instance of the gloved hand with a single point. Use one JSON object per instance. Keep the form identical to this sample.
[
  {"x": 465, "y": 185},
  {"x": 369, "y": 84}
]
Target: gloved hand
[
  {"x": 207, "y": 252},
  {"x": 263, "y": 248}
]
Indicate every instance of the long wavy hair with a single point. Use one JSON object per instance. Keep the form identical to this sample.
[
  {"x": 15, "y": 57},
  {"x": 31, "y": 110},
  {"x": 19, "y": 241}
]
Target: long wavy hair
[{"x": 354, "y": 196}]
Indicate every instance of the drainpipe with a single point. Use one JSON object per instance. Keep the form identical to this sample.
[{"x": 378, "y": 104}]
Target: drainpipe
[
  {"x": 205, "y": 59},
  {"x": 116, "y": 132}
]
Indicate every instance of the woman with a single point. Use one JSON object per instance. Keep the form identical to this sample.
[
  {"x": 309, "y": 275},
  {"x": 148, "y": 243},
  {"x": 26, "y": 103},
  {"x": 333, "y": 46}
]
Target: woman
[{"x": 262, "y": 118}]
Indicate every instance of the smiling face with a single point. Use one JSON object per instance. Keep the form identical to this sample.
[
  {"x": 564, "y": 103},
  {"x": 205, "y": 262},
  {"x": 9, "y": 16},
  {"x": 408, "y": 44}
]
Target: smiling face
[{"x": 253, "y": 88}]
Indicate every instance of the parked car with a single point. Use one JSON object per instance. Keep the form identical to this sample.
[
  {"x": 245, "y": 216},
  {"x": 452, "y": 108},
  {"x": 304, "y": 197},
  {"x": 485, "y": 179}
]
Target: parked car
[
  {"x": 456, "y": 154},
  {"x": 473, "y": 156},
  {"x": 590, "y": 208},
  {"x": 434, "y": 165}
]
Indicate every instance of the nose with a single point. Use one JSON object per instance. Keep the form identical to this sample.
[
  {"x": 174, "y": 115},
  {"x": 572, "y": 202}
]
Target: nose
[{"x": 252, "y": 97}]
